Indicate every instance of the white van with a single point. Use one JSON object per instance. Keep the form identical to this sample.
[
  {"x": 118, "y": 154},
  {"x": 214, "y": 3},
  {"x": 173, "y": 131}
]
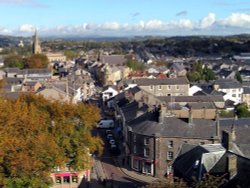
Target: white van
[{"x": 109, "y": 123}]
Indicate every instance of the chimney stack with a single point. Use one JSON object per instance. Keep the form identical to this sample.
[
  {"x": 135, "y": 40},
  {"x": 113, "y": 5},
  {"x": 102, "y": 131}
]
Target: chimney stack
[
  {"x": 227, "y": 140},
  {"x": 231, "y": 165},
  {"x": 190, "y": 117},
  {"x": 162, "y": 114},
  {"x": 217, "y": 124}
]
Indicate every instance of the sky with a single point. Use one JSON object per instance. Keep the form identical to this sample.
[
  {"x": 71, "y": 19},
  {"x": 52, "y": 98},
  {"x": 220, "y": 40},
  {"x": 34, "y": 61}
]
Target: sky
[{"x": 124, "y": 17}]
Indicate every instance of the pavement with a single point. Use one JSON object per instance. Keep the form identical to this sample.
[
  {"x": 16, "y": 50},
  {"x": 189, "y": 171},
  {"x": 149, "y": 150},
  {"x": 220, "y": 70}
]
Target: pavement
[{"x": 133, "y": 174}]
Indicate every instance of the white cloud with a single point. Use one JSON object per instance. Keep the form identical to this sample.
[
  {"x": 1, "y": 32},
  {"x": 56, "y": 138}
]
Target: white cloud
[
  {"x": 5, "y": 31},
  {"x": 110, "y": 26},
  {"x": 185, "y": 23},
  {"x": 27, "y": 28},
  {"x": 237, "y": 20},
  {"x": 207, "y": 21},
  {"x": 232, "y": 24}
]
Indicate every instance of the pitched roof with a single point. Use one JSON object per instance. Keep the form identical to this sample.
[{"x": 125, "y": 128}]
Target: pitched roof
[
  {"x": 166, "y": 81},
  {"x": 228, "y": 83},
  {"x": 207, "y": 98}
]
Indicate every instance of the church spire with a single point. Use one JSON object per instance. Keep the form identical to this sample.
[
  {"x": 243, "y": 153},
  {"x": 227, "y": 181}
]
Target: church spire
[{"x": 36, "y": 45}]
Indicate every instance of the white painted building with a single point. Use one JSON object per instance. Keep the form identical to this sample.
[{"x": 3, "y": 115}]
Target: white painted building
[{"x": 232, "y": 88}]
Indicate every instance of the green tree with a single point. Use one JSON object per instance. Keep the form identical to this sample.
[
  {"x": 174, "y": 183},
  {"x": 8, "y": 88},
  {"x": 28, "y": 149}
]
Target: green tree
[
  {"x": 238, "y": 77},
  {"x": 135, "y": 65},
  {"x": 70, "y": 54},
  {"x": 194, "y": 76},
  {"x": 37, "y": 61},
  {"x": 13, "y": 61},
  {"x": 241, "y": 110},
  {"x": 208, "y": 74}
]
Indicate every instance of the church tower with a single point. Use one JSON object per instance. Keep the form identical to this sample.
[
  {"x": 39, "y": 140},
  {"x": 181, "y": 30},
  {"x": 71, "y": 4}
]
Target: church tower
[{"x": 36, "y": 46}]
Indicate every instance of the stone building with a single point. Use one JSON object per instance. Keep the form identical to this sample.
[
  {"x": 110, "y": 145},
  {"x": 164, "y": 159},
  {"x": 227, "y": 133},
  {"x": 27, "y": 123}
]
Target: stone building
[
  {"x": 164, "y": 87},
  {"x": 154, "y": 140}
]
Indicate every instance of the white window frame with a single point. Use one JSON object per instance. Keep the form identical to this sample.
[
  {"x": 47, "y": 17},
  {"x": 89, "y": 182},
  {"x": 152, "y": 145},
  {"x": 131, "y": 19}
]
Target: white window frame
[
  {"x": 169, "y": 87},
  {"x": 145, "y": 152},
  {"x": 151, "y": 87},
  {"x": 170, "y": 155},
  {"x": 159, "y": 87},
  {"x": 177, "y": 87}
]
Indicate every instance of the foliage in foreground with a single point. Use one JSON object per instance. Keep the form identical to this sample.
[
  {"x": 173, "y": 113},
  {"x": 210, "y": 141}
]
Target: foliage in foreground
[
  {"x": 38, "y": 135},
  {"x": 207, "y": 181}
]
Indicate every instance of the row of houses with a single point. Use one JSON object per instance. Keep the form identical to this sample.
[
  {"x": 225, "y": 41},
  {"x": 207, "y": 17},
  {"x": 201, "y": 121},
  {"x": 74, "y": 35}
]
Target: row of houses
[{"x": 159, "y": 119}]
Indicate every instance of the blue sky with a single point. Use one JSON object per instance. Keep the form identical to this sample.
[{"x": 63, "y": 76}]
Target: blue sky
[{"x": 125, "y": 17}]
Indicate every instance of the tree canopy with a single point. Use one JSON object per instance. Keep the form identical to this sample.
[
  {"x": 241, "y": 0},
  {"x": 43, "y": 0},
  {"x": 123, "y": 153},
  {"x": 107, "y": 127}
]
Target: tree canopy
[
  {"x": 135, "y": 65},
  {"x": 38, "y": 135},
  {"x": 37, "y": 61},
  {"x": 70, "y": 54},
  {"x": 200, "y": 72},
  {"x": 242, "y": 110},
  {"x": 13, "y": 60}
]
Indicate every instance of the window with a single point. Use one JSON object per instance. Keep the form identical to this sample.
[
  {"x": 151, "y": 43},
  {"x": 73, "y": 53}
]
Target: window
[
  {"x": 134, "y": 137},
  {"x": 170, "y": 144},
  {"x": 146, "y": 141},
  {"x": 134, "y": 148},
  {"x": 233, "y": 95},
  {"x": 238, "y": 95},
  {"x": 58, "y": 179},
  {"x": 177, "y": 87},
  {"x": 74, "y": 179},
  {"x": 151, "y": 87},
  {"x": 202, "y": 143},
  {"x": 146, "y": 152},
  {"x": 169, "y": 87},
  {"x": 159, "y": 87},
  {"x": 170, "y": 170},
  {"x": 170, "y": 155}
]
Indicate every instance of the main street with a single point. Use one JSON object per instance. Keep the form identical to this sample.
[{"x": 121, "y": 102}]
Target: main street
[{"x": 115, "y": 177}]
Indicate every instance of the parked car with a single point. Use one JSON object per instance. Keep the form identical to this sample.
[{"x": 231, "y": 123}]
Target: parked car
[
  {"x": 109, "y": 137},
  {"x": 108, "y": 132},
  {"x": 112, "y": 141},
  {"x": 106, "y": 124}
]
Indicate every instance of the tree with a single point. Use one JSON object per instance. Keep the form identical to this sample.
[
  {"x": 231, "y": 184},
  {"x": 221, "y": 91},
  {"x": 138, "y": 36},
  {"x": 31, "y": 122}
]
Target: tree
[
  {"x": 207, "y": 181},
  {"x": 37, "y": 61},
  {"x": 38, "y": 135},
  {"x": 13, "y": 61},
  {"x": 238, "y": 77},
  {"x": 70, "y": 54},
  {"x": 135, "y": 65},
  {"x": 208, "y": 74},
  {"x": 241, "y": 110}
]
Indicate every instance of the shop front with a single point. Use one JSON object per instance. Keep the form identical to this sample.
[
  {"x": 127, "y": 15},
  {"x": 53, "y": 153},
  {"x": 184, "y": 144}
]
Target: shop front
[{"x": 142, "y": 165}]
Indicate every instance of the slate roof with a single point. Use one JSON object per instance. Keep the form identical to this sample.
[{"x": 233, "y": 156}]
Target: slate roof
[
  {"x": 224, "y": 73},
  {"x": 166, "y": 81},
  {"x": 195, "y": 161},
  {"x": 173, "y": 127},
  {"x": 207, "y": 98},
  {"x": 118, "y": 60},
  {"x": 206, "y": 105},
  {"x": 246, "y": 90},
  {"x": 227, "y": 84}
]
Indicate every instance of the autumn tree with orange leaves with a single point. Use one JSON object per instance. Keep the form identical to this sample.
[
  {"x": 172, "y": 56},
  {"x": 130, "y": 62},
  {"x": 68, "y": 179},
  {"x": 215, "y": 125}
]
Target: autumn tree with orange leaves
[{"x": 38, "y": 135}]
